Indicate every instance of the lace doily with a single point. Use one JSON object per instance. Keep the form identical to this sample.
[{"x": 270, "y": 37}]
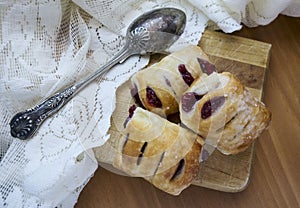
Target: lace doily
[{"x": 47, "y": 45}]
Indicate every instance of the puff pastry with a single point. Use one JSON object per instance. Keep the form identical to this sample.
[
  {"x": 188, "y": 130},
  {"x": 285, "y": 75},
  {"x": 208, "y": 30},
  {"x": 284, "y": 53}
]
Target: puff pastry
[
  {"x": 159, "y": 87},
  {"x": 211, "y": 105},
  {"x": 218, "y": 106},
  {"x": 162, "y": 152}
]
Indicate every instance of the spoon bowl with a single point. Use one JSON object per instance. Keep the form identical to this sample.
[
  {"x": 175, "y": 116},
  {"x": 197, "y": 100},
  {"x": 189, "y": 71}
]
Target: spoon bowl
[
  {"x": 152, "y": 32},
  {"x": 156, "y": 30}
]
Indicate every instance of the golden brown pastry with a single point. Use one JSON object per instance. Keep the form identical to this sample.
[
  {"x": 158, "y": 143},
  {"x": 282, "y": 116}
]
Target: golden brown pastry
[
  {"x": 159, "y": 87},
  {"x": 219, "y": 107},
  {"x": 215, "y": 106},
  {"x": 180, "y": 176},
  {"x": 164, "y": 153}
]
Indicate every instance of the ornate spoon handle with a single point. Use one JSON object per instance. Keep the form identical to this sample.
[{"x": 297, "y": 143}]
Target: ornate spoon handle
[
  {"x": 139, "y": 41},
  {"x": 24, "y": 124}
]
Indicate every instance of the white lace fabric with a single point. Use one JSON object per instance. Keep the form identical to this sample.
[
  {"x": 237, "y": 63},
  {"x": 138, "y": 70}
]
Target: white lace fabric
[{"x": 47, "y": 45}]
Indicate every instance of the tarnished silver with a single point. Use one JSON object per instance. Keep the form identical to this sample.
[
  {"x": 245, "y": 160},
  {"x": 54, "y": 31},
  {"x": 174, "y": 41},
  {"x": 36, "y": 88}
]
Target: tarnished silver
[{"x": 152, "y": 32}]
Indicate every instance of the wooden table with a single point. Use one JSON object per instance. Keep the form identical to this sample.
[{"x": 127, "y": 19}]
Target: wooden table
[{"x": 275, "y": 180}]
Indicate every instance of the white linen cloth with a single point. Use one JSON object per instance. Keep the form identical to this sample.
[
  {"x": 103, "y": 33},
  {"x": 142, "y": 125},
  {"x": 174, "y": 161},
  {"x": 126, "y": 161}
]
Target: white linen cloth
[{"x": 46, "y": 45}]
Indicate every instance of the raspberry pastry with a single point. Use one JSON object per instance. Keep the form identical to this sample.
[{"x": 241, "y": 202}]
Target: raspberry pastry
[
  {"x": 220, "y": 108},
  {"x": 159, "y": 87},
  {"x": 162, "y": 152}
]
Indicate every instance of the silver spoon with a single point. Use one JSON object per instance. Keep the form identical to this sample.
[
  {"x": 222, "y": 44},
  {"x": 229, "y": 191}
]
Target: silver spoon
[{"x": 152, "y": 32}]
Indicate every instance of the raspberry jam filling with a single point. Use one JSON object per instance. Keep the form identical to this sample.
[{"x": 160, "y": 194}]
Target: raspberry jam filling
[
  {"x": 140, "y": 157},
  {"x": 212, "y": 106},
  {"x": 206, "y": 66},
  {"x": 188, "y": 100},
  {"x": 130, "y": 114},
  {"x": 186, "y": 76},
  {"x": 152, "y": 98},
  {"x": 168, "y": 82},
  {"x": 179, "y": 170},
  {"x": 131, "y": 111},
  {"x": 134, "y": 93}
]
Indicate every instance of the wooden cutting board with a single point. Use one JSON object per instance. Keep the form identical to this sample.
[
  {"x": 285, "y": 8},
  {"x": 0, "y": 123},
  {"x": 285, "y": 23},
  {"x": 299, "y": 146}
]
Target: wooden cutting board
[
  {"x": 245, "y": 58},
  {"x": 248, "y": 60}
]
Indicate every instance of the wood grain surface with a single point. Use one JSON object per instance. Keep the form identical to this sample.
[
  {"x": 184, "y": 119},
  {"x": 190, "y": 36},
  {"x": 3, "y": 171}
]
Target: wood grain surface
[
  {"x": 248, "y": 60},
  {"x": 274, "y": 180}
]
